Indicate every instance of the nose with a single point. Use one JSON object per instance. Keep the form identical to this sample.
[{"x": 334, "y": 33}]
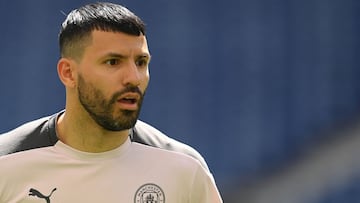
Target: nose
[{"x": 131, "y": 75}]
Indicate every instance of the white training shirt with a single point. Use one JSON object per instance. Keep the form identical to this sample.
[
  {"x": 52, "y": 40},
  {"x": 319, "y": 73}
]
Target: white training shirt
[{"x": 130, "y": 173}]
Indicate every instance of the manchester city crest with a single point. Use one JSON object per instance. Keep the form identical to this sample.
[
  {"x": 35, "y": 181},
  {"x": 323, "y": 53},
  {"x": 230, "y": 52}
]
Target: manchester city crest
[{"x": 149, "y": 193}]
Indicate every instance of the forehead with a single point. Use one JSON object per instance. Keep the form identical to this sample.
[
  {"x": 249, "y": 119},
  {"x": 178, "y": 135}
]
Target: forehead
[{"x": 103, "y": 41}]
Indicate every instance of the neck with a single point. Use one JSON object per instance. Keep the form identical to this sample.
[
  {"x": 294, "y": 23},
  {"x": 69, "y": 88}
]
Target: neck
[{"x": 86, "y": 135}]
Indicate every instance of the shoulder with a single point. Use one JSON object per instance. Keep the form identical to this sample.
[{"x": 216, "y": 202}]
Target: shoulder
[
  {"x": 17, "y": 162},
  {"x": 180, "y": 164},
  {"x": 187, "y": 171},
  {"x": 30, "y": 135},
  {"x": 144, "y": 133},
  {"x": 160, "y": 154}
]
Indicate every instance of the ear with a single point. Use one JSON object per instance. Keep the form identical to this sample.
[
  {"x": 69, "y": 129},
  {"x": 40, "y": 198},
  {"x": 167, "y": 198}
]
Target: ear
[{"x": 66, "y": 72}]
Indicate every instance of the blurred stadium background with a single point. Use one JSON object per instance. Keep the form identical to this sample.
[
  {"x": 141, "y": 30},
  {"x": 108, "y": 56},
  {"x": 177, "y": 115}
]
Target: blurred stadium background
[{"x": 266, "y": 90}]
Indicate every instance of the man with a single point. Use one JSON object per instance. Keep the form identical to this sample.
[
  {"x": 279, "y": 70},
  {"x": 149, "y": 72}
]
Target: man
[{"x": 85, "y": 153}]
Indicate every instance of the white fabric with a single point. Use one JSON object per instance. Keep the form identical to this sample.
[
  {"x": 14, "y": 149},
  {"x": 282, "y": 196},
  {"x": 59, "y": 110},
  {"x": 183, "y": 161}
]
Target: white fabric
[{"x": 130, "y": 173}]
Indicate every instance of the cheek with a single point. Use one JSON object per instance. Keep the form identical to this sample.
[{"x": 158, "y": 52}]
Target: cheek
[{"x": 145, "y": 81}]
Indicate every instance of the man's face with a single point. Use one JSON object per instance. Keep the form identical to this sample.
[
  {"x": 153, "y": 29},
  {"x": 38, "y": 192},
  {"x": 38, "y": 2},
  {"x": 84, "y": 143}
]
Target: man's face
[{"x": 112, "y": 78}]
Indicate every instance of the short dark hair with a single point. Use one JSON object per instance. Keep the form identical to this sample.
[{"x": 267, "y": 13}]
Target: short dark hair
[{"x": 102, "y": 16}]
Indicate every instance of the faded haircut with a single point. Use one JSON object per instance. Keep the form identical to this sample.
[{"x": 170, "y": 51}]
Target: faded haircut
[{"x": 75, "y": 32}]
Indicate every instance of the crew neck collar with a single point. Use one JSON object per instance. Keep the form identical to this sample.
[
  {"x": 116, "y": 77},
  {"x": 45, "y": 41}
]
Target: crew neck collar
[{"x": 77, "y": 154}]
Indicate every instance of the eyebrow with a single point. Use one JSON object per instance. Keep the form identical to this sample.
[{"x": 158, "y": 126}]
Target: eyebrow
[{"x": 116, "y": 55}]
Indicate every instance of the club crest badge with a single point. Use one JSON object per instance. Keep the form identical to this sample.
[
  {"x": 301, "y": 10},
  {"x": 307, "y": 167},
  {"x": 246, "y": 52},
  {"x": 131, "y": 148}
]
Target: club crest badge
[{"x": 149, "y": 193}]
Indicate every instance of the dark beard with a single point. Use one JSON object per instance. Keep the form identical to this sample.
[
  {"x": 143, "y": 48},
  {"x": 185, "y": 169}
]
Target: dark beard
[{"x": 102, "y": 111}]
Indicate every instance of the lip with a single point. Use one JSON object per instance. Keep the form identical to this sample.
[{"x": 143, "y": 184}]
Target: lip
[{"x": 129, "y": 101}]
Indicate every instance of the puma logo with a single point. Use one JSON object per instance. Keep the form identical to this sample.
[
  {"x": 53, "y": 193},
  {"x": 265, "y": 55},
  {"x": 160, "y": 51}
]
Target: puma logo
[{"x": 34, "y": 192}]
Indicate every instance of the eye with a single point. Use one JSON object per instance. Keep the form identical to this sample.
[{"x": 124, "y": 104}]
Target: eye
[
  {"x": 142, "y": 62},
  {"x": 112, "y": 62}
]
